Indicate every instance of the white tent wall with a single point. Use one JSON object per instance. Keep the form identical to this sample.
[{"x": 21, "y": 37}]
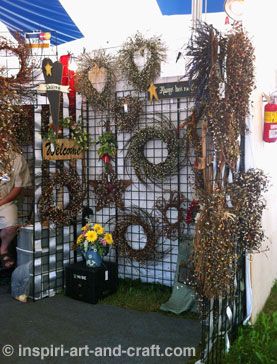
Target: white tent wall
[{"x": 260, "y": 21}]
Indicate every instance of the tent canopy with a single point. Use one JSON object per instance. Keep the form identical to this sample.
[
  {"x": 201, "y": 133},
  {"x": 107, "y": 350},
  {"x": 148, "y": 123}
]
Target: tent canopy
[
  {"x": 175, "y": 7},
  {"x": 40, "y": 15}
]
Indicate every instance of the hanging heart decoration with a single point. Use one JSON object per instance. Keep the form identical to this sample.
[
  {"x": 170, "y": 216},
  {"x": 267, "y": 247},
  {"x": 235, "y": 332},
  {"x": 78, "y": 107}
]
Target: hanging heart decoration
[
  {"x": 98, "y": 77},
  {"x": 95, "y": 79}
]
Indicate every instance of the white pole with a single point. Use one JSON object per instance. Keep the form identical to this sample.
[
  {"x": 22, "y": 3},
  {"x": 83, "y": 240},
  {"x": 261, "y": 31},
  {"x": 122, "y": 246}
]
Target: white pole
[{"x": 196, "y": 10}]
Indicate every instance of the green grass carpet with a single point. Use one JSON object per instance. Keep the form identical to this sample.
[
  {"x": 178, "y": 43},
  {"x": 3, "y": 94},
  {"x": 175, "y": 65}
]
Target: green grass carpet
[{"x": 141, "y": 296}]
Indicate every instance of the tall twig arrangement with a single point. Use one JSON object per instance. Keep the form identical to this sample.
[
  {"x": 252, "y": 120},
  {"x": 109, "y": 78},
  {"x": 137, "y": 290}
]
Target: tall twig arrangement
[{"x": 221, "y": 73}]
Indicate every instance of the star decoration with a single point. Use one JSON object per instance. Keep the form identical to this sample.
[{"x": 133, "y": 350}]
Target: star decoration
[
  {"x": 48, "y": 69},
  {"x": 109, "y": 190},
  {"x": 153, "y": 92}
]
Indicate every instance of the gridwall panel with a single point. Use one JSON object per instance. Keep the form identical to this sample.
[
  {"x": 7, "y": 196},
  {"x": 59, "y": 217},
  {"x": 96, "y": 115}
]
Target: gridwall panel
[{"x": 144, "y": 196}]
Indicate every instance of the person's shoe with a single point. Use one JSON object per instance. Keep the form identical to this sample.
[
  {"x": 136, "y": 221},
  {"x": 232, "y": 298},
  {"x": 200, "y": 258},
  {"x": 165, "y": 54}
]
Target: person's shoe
[
  {"x": 7, "y": 261},
  {"x": 21, "y": 298}
]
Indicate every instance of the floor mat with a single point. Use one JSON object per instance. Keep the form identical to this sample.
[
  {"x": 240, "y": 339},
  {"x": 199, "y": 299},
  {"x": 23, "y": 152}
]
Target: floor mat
[{"x": 62, "y": 321}]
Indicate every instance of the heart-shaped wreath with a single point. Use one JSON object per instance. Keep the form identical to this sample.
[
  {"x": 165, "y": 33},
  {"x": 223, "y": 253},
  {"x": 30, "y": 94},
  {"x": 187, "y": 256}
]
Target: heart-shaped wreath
[{"x": 152, "y": 50}]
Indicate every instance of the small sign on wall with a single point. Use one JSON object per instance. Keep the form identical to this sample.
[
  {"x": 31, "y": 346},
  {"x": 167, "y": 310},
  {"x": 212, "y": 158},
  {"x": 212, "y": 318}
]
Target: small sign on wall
[
  {"x": 63, "y": 149},
  {"x": 173, "y": 89}
]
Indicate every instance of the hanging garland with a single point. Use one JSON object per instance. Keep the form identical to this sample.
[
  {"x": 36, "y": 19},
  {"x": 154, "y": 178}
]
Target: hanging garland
[
  {"x": 215, "y": 246},
  {"x": 240, "y": 72},
  {"x": 24, "y": 74},
  {"x": 246, "y": 196},
  {"x": 146, "y": 170},
  {"x": 140, "y": 217},
  {"x": 81, "y": 136},
  {"x": 155, "y": 52},
  {"x": 206, "y": 52},
  {"x": 221, "y": 73},
  {"x": 175, "y": 201},
  {"x": 127, "y": 111},
  {"x": 95, "y": 79},
  {"x": 61, "y": 216}
]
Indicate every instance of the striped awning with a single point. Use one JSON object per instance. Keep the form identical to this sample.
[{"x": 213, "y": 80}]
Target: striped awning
[
  {"x": 175, "y": 7},
  {"x": 39, "y": 15}
]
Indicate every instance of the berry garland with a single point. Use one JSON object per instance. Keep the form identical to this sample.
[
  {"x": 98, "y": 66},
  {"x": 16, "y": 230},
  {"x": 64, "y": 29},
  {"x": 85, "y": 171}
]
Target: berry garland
[
  {"x": 127, "y": 111},
  {"x": 146, "y": 170},
  {"x": 89, "y": 63},
  {"x": 140, "y": 217},
  {"x": 61, "y": 216},
  {"x": 246, "y": 193},
  {"x": 156, "y": 53}
]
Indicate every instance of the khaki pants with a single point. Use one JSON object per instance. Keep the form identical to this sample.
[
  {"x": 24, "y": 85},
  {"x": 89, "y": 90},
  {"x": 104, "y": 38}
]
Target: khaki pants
[{"x": 8, "y": 215}]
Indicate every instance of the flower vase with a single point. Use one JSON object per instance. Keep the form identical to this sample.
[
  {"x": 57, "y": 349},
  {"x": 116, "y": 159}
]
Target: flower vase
[{"x": 93, "y": 258}]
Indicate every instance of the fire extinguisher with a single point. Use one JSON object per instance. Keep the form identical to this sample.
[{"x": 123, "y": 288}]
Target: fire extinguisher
[{"x": 270, "y": 120}]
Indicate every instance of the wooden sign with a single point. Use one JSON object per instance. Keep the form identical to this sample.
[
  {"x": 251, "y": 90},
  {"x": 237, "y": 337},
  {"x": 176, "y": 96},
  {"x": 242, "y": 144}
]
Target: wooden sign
[
  {"x": 63, "y": 149},
  {"x": 53, "y": 76},
  {"x": 173, "y": 89}
]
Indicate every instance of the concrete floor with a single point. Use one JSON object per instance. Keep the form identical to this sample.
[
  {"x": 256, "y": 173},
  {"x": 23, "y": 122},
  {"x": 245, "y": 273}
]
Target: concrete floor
[{"x": 61, "y": 320}]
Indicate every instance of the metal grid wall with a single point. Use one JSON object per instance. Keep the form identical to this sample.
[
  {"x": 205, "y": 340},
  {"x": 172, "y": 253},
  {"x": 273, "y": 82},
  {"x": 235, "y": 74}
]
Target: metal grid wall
[
  {"x": 143, "y": 196},
  {"x": 44, "y": 247}
]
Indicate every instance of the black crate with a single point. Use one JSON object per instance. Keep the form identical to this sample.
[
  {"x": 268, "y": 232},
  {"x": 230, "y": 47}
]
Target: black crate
[{"x": 90, "y": 284}]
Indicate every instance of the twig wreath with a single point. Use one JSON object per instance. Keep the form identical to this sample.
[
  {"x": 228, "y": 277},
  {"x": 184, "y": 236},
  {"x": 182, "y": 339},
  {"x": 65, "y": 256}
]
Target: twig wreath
[
  {"x": 95, "y": 79},
  {"x": 144, "y": 169},
  {"x": 175, "y": 201},
  {"x": 127, "y": 111},
  {"x": 154, "y": 51},
  {"x": 140, "y": 217},
  {"x": 78, "y": 133},
  {"x": 61, "y": 216},
  {"x": 12, "y": 89},
  {"x": 24, "y": 74}
]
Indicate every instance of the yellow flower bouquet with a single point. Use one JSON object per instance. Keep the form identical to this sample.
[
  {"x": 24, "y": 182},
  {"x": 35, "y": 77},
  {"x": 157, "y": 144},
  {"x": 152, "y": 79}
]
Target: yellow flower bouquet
[{"x": 93, "y": 243}]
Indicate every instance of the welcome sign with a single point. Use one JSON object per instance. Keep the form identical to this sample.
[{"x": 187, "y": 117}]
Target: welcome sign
[{"x": 63, "y": 149}]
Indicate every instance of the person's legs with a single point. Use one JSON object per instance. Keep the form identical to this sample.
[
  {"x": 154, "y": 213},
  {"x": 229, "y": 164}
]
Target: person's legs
[{"x": 7, "y": 235}]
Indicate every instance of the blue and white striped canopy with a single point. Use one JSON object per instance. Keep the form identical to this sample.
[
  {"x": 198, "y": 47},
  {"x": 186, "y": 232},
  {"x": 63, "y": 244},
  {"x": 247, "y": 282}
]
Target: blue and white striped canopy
[
  {"x": 39, "y": 15},
  {"x": 175, "y": 7}
]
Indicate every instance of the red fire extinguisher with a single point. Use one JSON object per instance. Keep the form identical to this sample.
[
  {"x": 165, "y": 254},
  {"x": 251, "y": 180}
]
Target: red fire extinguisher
[{"x": 270, "y": 120}]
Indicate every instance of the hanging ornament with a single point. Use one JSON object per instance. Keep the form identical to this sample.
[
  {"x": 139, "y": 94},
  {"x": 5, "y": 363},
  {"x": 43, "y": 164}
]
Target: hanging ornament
[
  {"x": 153, "y": 92},
  {"x": 98, "y": 77}
]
